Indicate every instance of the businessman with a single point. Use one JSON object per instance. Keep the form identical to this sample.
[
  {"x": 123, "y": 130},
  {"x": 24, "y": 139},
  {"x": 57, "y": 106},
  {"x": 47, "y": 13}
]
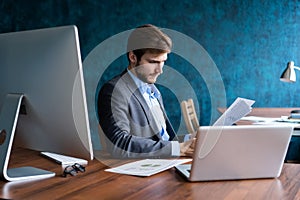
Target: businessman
[{"x": 130, "y": 107}]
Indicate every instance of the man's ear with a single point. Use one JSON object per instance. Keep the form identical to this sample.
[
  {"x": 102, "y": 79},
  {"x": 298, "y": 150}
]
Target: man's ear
[{"x": 132, "y": 58}]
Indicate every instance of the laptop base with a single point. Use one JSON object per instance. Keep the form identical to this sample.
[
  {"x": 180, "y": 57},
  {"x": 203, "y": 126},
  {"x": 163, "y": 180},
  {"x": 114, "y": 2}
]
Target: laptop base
[{"x": 184, "y": 170}]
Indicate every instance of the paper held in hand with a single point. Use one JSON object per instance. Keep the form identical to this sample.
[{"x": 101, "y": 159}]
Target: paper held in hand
[{"x": 238, "y": 109}]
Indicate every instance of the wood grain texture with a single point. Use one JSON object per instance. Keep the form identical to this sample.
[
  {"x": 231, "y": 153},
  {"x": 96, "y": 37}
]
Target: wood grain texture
[{"x": 95, "y": 183}]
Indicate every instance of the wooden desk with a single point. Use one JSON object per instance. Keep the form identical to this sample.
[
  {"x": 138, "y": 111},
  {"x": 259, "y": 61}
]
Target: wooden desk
[
  {"x": 95, "y": 183},
  {"x": 264, "y": 112},
  {"x": 267, "y": 112},
  {"x": 272, "y": 112},
  {"x": 293, "y": 154}
]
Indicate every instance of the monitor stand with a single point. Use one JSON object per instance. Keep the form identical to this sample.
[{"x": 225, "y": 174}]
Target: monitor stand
[{"x": 8, "y": 123}]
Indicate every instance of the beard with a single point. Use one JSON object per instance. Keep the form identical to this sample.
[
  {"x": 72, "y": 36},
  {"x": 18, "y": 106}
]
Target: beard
[{"x": 144, "y": 76}]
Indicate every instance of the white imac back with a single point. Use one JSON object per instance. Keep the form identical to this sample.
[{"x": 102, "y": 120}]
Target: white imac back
[{"x": 45, "y": 66}]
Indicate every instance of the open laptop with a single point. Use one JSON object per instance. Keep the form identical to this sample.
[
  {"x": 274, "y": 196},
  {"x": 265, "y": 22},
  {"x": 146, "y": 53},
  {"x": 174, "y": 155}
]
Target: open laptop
[{"x": 238, "y": 152}]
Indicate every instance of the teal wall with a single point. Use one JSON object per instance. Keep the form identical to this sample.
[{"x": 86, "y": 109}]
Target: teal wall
[{"x": 249, "y": 41}]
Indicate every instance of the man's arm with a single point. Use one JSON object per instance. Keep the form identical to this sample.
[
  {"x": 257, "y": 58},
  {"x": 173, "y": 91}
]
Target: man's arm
[{"x": 126, "y": 126}]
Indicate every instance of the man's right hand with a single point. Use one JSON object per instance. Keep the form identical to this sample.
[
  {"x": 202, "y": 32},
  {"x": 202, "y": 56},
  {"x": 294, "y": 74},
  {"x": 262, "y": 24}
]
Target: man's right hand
[{"x": 187, "y": 148}]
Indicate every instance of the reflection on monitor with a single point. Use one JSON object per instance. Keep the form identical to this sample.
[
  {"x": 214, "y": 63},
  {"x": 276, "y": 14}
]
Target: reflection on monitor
[{"x": 42, "y": 69}]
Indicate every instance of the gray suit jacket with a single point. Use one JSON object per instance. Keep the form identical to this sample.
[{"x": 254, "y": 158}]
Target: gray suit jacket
[{"x": 127, "y": 123}]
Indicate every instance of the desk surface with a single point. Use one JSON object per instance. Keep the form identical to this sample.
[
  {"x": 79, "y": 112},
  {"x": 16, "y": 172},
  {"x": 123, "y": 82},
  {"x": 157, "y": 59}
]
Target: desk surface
[
  {"x": 268, "y": 112},
  {"x": 95, "y": 183},
  {"x": 272, "y": 112}
]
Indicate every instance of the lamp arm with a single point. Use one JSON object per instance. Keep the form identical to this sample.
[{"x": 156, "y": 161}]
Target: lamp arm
[{"x": 298, "y": 68}]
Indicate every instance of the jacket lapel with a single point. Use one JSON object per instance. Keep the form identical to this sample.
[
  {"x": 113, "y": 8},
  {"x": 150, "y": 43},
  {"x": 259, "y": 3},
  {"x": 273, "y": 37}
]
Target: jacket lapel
[
  {"x": 137, "y": 94},
  {"x": 130, "y": 84}
]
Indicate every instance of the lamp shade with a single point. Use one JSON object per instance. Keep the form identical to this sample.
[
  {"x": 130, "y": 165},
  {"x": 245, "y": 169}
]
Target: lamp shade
[{"x": 289, "y": 74}]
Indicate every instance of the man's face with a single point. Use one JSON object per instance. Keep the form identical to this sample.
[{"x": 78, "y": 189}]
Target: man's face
[{"x": 150, "y": 67}]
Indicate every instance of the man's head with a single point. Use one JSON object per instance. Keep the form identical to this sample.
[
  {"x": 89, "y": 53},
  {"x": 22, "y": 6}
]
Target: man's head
[
  {"x": 148, "y": 38},
  {"x": 148, "y": 48}
]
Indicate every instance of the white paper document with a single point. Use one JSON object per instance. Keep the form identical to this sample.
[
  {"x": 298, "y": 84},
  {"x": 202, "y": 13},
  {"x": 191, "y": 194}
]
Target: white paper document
[
  {"x": 260, "y": 119},
  {"x": 285, "y": 120},
  {"x": 147, "y": 167},
  {"x": 238, "y": 109}
]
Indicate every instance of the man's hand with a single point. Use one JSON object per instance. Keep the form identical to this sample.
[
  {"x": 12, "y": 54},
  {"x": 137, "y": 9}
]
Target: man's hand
[{"x": 187, "y": 148}]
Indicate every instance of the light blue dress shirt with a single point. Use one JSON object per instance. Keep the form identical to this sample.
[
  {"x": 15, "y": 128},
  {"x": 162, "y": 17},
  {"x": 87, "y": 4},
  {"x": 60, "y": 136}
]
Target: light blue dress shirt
[{"x": 151, "y": 94}]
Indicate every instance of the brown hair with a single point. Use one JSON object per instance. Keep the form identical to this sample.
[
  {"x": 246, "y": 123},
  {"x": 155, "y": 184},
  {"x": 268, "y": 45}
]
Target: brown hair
[{"x": 148, "y": 38}]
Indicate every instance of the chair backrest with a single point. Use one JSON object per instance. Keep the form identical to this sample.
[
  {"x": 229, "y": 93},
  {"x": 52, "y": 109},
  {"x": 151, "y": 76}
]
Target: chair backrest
[{"x": 189, "y": 115}]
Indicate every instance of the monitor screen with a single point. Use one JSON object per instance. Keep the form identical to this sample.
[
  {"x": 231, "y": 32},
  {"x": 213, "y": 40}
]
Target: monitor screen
[{"x": 45, "y": 66}]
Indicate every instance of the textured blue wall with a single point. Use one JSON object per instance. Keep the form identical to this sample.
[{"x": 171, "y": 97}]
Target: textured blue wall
[{"x": 249, "y": 41}]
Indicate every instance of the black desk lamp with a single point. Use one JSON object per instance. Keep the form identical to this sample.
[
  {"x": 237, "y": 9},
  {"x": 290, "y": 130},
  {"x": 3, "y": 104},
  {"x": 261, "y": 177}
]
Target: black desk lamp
[{"x": 289, "y": 75}]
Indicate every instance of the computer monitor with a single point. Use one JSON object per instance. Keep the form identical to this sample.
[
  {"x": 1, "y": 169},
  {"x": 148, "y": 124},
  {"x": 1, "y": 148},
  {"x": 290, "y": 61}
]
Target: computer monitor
[{"x": 41, "y": 75}]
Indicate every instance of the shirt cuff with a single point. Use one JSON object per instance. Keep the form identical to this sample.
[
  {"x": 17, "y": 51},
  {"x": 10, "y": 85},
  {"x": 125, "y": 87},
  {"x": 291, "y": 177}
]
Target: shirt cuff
[
  {"x": 187, "y": 137},
  {"x": 175, "y": 148}
]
